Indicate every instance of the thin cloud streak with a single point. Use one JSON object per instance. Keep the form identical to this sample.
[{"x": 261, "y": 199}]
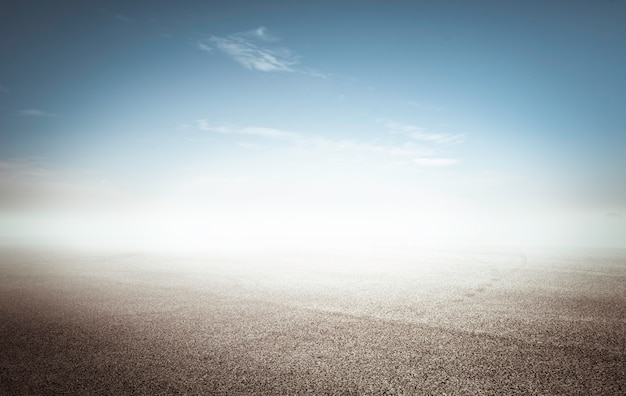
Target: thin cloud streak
[
  {"x": 258, "y": 50},
  {"x": 34, "y": 113},
  {"x": 253, "y": 51},
  {"x": 253, "y": 131},
  {"x": 204, "y": 47},
  {"x": 419, "y": 134},
  {"x": 298, "y": 140}
]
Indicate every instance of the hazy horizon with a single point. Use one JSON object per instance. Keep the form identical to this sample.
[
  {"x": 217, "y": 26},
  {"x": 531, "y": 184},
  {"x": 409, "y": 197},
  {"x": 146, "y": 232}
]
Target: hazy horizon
[{"x": 201, "y": 125}]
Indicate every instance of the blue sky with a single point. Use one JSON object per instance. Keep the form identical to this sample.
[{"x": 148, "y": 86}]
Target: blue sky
[{"x": 278, "y": 123}]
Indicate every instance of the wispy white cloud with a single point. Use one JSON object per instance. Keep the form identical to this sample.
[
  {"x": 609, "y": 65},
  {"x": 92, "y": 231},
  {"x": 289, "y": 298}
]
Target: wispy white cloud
[
  {"x": 262, "y": 33},
  {"x": 259, "y": 49},
  {"x": 35, "y": 113},
  {"x": 204, "y": 47},
  {"x": 423, "y": 150},
  {"x": 204, "y": 125},
  {"x": 420, "y": 134},
  {"x": 255, "y": 50},
  {"x": 316, "y": 73},
  {"x": 407, "y": 150}
]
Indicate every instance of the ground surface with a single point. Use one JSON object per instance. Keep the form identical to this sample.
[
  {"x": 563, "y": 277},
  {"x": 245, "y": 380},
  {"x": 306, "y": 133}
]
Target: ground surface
[{"x": 429, "y": 322}]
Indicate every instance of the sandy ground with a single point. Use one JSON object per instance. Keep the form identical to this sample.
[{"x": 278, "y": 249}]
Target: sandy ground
[{"x": 490, "y": 321}]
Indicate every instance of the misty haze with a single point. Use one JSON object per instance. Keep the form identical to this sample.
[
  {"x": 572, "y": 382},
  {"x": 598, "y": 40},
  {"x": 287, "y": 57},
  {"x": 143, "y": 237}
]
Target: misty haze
[{"x": 312, "y": 197}]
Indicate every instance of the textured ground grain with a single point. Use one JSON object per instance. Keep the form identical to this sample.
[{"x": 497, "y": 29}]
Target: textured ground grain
[{"x": 469, "y": 322}]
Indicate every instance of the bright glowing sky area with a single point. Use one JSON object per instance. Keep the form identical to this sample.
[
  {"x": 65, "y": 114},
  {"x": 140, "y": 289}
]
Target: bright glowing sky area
[{"x": 206, "y": 124}]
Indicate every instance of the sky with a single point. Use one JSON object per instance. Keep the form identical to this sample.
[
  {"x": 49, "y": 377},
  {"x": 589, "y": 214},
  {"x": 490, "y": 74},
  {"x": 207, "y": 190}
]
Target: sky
[{"x": 289, "y": 123}]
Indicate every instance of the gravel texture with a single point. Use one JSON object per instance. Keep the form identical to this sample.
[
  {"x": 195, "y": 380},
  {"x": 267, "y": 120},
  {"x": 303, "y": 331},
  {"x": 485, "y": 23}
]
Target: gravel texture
[{"x": 474, "y": 322}]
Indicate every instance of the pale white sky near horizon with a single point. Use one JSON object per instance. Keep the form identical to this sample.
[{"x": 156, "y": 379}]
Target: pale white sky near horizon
[{"x": 293, "y": 123}]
